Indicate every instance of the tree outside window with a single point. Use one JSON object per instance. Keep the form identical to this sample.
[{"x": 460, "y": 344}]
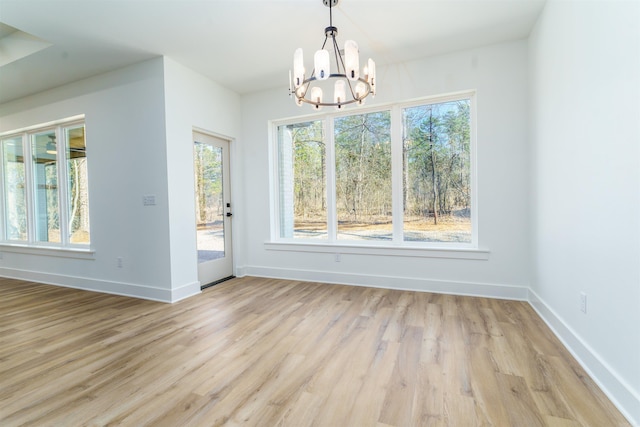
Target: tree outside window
[{"x": 342, "y": 185}]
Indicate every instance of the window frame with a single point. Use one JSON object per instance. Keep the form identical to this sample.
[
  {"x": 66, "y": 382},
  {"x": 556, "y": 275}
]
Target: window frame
[
  {"x": 397, "y": 246},
  {"x": 32, "y": 245}
]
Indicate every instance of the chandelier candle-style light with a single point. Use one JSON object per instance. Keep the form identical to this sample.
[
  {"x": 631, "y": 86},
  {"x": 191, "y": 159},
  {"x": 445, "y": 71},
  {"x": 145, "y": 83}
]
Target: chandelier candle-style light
[{"x": 349, "y": 85}]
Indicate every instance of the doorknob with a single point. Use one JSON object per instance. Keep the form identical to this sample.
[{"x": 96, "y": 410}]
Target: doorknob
[{"x": 229, "y": 214}]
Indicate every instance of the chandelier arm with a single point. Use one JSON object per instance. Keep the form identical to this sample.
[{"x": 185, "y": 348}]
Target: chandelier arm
[
  {"x": 306, "y": 85},
  {"x": 325, "y": 41},
  {"x": 353, "y": 94},
  {"x": 339, "y": 60},
  {"x": 344, "y": 68}
]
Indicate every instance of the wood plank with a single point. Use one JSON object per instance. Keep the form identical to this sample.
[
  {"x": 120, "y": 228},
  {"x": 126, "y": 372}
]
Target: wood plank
[{"x": 256, "y": 352}]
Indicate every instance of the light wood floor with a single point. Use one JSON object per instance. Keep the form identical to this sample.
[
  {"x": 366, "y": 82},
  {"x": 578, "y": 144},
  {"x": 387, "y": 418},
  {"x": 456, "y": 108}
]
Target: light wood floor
[{"x": 263, "y": 352}]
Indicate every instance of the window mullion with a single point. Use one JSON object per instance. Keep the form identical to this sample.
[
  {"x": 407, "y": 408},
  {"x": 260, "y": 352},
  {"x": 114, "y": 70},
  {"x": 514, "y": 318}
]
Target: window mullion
[
  {"x": 396, "y": 174},
  {"x": 3, "y": 228},
  {"x": 29, "y": 180},
  {"x": 474, "y": 169},
  {"x": 331, "y": 178},
  {"x": 63, "y": 185},
  {"x": 276, "y": 195}
]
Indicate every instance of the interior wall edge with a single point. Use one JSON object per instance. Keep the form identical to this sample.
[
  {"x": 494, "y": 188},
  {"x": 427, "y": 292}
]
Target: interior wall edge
[
  {"x": 613, "y": 386},
  {"x": 185, "y": 291}
]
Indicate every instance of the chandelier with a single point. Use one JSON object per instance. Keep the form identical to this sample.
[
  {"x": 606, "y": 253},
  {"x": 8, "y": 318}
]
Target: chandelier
[{"x": 349, "y": 86}]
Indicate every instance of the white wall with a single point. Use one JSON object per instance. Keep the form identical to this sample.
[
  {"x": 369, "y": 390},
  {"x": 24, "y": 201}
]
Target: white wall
[
  {"x": 126, "y": 159},
  {"x": 139, "y": 121},
  {"x": 194, "y": 101},
  {"x": 499, "y": 74},
  {"x": 585, "y": 121}
]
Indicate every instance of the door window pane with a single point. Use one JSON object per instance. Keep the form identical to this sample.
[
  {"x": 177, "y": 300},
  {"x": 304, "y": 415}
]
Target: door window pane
[
  {"x": 78, "y": 192},
  {"x": 45, "y": 174},
  {"x": 302, "y": 175},
  {"x": 209, "y": 202},
  {"x": 437, "y": 172},
  {"x": 15, "y": 208},
  {"x": 363, "y": 176}
]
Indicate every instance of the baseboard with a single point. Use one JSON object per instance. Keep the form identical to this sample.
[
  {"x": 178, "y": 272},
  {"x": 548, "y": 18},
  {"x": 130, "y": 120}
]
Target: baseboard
[
  {"x": 615, "y": 387},
  {"x": 185, "y": 291},
  {"x": 105, "y": 286},
  {"x": 241, "y": 271},
  {"x": 392, "y": 282}
]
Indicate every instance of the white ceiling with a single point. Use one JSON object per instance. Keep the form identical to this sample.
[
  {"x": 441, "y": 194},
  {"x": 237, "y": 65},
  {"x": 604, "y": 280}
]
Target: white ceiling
[{"x": 244, "y": 45}]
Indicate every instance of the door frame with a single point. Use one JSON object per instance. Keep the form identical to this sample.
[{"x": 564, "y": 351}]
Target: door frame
[{"x": 228, "y": 196}]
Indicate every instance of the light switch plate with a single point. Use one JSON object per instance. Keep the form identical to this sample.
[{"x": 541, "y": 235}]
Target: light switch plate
[{"x": 149, "y": 200}]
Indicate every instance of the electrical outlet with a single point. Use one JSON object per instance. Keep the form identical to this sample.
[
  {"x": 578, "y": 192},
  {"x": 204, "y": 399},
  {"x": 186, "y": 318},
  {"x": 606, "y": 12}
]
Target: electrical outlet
[
  {"x": 119, "y": 262},
  {"x": 337, "y": 258},
  {"x": 583, "y": 302}
]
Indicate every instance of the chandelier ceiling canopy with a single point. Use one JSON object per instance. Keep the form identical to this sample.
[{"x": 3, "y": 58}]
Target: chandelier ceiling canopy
[{"x": 350, "y": 86}]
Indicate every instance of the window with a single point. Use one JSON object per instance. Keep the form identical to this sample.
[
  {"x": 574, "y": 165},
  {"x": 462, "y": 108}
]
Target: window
[
  {"x": 437, "y": 172},
  {"x": 363, "y": 176},
  {"x": 302, "y": 180},
  {"x": 15, "y": 203},
  {"x": 45, "y": 186},
  {"x": 400, "y": 175}
]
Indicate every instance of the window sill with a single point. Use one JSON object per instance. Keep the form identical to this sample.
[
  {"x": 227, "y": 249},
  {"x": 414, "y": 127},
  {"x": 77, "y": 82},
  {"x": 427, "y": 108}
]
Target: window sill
[
  {"x": 387, "y": 250},
  {"x": 77, "y": 253}
]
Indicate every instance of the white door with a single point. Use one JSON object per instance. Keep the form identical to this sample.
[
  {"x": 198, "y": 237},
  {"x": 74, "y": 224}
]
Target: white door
[{"x": 213, "y": 208}]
